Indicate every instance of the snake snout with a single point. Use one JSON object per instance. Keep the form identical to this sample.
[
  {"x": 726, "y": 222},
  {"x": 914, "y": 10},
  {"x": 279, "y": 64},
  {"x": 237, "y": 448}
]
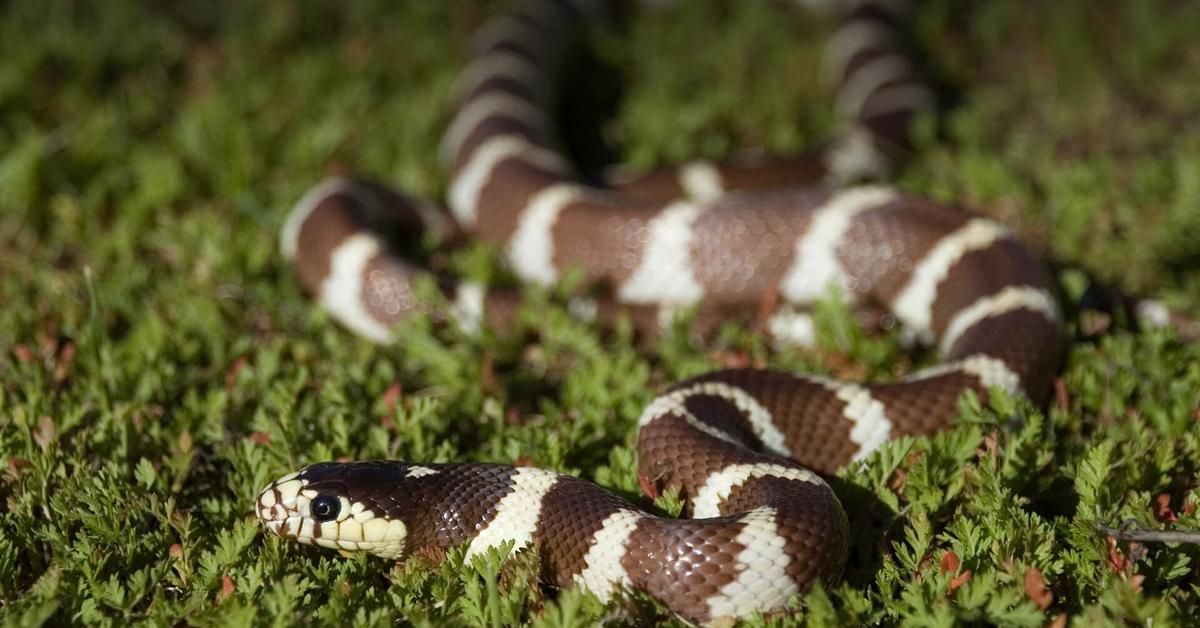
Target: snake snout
[{"x": 277, "y": 505}]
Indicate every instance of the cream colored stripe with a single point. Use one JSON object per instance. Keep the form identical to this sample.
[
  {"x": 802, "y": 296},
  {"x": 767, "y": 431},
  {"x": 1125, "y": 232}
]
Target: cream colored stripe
[
  {"x": 603, "y": 573},
  {"x": 501, "y": 63},
  {"x": 870, "y": 425},
  {"x": 757, "y": 416},
  {"x": 914, "y": 303},
  {"x": 531, "y": 249},
  {"x": 1007, "y": 300},
  {"x": 719, "y": 484},
  {"x": 701, "y": 181},
  {"x": 341, "y": 292},
  {"x": 517, "y": 512},
  {"x": 815, "y": 264},
  {"x": 848, "y": 41},
  {"x": 664, "y": 274},
  {"x": 991, "y": 372},
  {"x": 489, "y": 105},
  {"x": 866, "y": 80},
  {"x": 469, "y": 181},
  {"x": 763, "y": 582}
]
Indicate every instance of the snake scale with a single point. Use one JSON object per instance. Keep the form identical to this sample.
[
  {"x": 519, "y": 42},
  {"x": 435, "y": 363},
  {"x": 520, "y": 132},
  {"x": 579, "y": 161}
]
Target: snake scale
[{"x": 744, "y": 446}]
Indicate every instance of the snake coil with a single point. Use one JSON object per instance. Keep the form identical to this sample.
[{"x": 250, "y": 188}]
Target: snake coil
[{"x": 745, "y": 446}]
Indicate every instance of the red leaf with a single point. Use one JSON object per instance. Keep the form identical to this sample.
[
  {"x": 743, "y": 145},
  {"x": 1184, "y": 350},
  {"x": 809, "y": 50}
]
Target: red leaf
[
  {"x": 647, "y": 486},
  {"x": 732, "y": 359},
  {"x": 1036, "y": 589},
  {"x": 1116, "y": 560},
  {"x": 958, "y": 581},
  {"x": 950, "y": 562},
  {"x": 232, "y": 373},
  {"x": 23, "y": 354},
  {"x": 259, "y": 438},
  {"x": 1162, "y": 508},
  {"x": 391, "y": 396},
  {"x": 226, "y": 588},
  {"x": 66, "y": 357}
]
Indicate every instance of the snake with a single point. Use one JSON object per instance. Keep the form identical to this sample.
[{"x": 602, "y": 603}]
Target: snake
[{"x": 748, "y": 449}]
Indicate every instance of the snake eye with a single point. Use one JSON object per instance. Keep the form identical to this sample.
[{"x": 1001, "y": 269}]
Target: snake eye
[{"x": 325, "y": 507}]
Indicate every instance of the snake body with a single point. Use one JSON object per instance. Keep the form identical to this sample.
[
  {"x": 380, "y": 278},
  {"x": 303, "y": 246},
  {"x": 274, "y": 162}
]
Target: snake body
[{"x": 744, "y": 446}]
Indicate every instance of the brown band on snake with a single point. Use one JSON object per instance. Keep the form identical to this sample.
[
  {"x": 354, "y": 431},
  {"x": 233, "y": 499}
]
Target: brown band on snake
[{"x": 728, "y": 241}]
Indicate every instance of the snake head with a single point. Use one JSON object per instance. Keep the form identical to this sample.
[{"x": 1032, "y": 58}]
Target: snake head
[{"x": 318, "y": 505}]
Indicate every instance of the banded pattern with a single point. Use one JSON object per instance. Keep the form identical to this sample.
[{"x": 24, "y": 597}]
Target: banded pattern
[
  {"x": 724, "y": 565},
  {"x": 744, "y": 446}
]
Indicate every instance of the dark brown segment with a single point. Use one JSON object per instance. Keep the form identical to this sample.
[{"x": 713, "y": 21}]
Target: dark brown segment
[
  {"x": 985, "y": 272},
  {"x": 499, "y": 124},
  {"x": 499, "y": 83},
  {"x": 724, "y": 416},
  {"x": 673, "y": 453},
  {"x": 865, "y": 56},
  {"x": 572, "y": 513},
  {"x": 513, "y": 184},
  {"x": 808, "y": 414},
  {"x": 758, "y": 173},
  {"x": 884, "y": 244},
  {"x": 922, "y": 407},
  {"x": 891, "y": 130},
  {"x": 658, "y": 186},
  {"x": 742, "y": 246},
  {"x": 765, "y": 174},
  {"x": 684, "y": 563},
  {"x": 331, "y": 222},
  {"x": 603, "y": 239},
  {"x": 1025, "y": 340}
]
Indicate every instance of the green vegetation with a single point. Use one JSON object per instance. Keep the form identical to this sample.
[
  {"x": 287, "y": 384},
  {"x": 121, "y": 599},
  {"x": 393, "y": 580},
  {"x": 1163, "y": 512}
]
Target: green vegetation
[{"x": 158, "y": 363}]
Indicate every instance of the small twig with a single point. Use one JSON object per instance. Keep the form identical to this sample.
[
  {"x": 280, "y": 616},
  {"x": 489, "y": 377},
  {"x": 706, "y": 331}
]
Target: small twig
[{"x": 1134, "y": 532}]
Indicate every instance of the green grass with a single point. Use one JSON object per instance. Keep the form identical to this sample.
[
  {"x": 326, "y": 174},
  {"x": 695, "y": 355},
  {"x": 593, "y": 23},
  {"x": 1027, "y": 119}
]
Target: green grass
[{"x": 158, "y": 363}]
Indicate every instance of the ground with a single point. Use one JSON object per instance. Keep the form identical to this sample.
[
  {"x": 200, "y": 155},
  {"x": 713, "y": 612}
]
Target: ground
[{"x": 158, "y": 362}]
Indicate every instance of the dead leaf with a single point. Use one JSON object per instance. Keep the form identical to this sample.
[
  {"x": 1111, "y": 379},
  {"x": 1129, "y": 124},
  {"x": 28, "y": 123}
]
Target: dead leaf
[
  {"x": 23, "y": 354},
  {"x": 647, "y": 486},
  {"x": 45, "y": 433},
  {"x": 958, "y": 581},
  {"x": 950, "y": 562},
  {"x": 226, "y": 588},
  {"x": 1036, "y": 589},
  {"x": 1062, "y": 397},
  {"x": 232, "y": 374},
  {"x": 391, "y": 396}
]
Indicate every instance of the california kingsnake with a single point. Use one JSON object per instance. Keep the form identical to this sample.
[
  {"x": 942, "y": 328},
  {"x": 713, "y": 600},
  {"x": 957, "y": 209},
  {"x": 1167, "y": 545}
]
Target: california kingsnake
[{"x": 739, "y": 443}]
